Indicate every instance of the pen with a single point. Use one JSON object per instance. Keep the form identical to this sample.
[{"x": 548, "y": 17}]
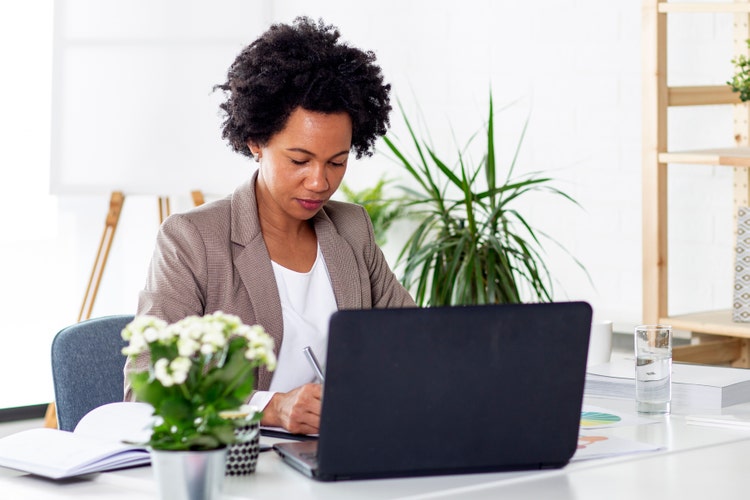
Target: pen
[{"x": 314, "y": 362}]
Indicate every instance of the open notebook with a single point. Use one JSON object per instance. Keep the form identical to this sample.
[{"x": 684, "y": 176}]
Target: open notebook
[{"x": 95, "y": 445}]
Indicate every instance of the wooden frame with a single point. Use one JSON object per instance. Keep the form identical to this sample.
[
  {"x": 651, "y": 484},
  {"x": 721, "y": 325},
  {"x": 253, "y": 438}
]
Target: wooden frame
[
  {"x": 732, "y": 345},
  {"x": 116, "y": 202}
]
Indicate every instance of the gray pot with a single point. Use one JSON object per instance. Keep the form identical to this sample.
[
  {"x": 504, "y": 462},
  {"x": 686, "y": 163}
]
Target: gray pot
[{"x": 189, "y": 475}]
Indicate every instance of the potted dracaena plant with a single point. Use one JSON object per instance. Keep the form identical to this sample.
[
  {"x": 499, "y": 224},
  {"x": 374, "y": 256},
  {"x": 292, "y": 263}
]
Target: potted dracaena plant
[{"x": 471, "y": 244}]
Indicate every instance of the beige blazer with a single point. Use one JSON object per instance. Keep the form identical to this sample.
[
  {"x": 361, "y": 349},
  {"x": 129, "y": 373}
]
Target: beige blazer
[{"x": 214, "y": 258}]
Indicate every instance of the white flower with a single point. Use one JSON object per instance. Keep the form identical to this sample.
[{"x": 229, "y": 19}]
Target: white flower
[
  {"x": 266, "y": 357},
  {"x": 230, "y": 320},
  {"x": 151, "y": 334},
  {"x": 187, "y": 350},
  {"x": 180, "y": 368},
  {"x": 213, "y": 339},
  {"x": 172, "y": 373},
  {"x": 166, "y": 335},
  {"x": 161, "y": 372},
  {"x": 187, "y": 347},
  {"x": 190, "y": 327},
  {"x": 140, "y": 332},
  {"x": 137, "y": 344},
  {"x": 259, "y": 346}
]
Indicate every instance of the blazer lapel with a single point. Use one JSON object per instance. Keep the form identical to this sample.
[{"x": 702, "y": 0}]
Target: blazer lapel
[
  {"x": 254, "y": 267},
  {"x": 339, "y": 257},
  {"x": 257, "y": 275}
]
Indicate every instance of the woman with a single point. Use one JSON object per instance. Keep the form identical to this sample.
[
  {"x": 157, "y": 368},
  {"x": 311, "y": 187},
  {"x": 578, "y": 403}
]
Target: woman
[{"x": 277, "y": 251}]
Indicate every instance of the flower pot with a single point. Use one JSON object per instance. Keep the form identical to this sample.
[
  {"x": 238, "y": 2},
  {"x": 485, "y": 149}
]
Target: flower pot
[
  {"x": 242, "y": 457},
  {"x": 189, "y": 475}
]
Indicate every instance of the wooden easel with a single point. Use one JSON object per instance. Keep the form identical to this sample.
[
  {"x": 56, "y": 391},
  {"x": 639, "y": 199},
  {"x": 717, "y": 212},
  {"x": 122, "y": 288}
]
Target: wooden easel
[{"x": 116, "y": 202}]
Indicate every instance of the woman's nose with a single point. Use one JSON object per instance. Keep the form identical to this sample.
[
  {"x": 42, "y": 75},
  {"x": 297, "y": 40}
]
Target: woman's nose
[{"x": 316, "y": 179}]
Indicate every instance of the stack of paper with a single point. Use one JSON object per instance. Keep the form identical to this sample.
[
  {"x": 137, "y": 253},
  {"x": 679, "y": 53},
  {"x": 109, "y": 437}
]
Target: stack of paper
[
  {"x": 734, "y": 421},
  {"x": 698, "y": 386},
  {"x": 597, "y": 446}
]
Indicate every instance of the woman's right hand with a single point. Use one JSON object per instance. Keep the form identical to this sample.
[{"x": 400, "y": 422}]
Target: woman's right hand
[{"x": 297, "y": 411}]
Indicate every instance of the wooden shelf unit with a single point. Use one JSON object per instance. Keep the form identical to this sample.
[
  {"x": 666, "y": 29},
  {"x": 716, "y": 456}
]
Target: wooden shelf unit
[
  {"x": 728, "y": 337},
  {"x": 709, "y": 322},
  {"x": 699, "y": 95},
  {"x": 730, "y": 157},
  {"x": 739, "y": 7}
]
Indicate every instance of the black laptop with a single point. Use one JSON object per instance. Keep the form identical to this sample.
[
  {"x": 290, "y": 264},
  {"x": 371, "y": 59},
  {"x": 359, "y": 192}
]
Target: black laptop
[{"x": 449, "y": 390}]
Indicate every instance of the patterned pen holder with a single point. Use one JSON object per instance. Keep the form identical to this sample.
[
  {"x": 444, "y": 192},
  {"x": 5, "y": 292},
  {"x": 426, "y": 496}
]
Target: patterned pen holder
[
  {"x": 242, "y": 456},
  {"x": 741, "y": 302}
]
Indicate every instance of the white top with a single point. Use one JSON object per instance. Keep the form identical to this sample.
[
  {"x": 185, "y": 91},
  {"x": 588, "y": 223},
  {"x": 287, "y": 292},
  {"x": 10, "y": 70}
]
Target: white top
[{"x": 307, "y": 302}]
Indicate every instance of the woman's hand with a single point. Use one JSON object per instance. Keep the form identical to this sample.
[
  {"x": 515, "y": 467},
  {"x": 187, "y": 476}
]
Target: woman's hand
[{"x": 297, "y": 411}]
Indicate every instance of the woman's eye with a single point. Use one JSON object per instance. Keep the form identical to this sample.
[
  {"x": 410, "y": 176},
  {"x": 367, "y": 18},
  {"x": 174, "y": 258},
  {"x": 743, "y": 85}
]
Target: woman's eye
[
  {"x": 298, "y": 162},
  {"x": 338, "y": 163}
]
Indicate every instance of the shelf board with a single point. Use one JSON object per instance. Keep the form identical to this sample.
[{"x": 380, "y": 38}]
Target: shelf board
[
  {"x": 711, "y": 322},
  {"x": 702, "y": 95},
  {"x": 730, "y": 157},
  {"x": 695, "y": 7}
]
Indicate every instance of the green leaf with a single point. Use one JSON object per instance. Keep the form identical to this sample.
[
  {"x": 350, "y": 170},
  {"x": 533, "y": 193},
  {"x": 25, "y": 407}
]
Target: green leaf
[{"x": 383, "y": 211}]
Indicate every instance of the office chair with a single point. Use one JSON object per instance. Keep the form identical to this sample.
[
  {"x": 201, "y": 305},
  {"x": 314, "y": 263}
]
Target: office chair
[{"x": 87, "y": 367}]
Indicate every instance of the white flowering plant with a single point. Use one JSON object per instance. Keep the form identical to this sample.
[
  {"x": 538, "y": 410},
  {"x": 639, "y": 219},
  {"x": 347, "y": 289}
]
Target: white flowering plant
[{"x": 200, "y": 370}]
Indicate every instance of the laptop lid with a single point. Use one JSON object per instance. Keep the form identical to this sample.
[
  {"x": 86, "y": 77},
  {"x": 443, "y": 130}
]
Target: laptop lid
[{"x": 446, "y": 390}]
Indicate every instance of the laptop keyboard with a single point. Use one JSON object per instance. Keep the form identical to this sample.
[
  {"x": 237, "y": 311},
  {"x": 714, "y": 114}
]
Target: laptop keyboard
[{"x": 309, "y": 456}]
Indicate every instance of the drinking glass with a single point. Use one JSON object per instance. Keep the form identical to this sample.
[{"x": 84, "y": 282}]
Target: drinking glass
[{"x": 653, "y": 368}]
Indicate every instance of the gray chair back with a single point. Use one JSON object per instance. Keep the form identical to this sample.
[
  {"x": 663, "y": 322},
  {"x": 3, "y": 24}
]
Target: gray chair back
[{"x": 87, "y": 367}]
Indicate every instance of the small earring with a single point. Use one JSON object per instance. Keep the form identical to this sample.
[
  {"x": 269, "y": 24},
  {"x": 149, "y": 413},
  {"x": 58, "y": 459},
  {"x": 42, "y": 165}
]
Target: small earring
[{"x": 257, "y": 157}]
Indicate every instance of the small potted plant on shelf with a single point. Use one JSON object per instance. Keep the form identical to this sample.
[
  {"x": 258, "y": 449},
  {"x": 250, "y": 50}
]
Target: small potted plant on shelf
[
  {"x": 201, "y": 372},
  {"x": 472, "y": 245},
  {"x": 740, "y": 82}
]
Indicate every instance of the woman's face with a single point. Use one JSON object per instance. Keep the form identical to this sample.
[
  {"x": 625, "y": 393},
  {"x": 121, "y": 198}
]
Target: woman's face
[{"x": 302, "y": 165}]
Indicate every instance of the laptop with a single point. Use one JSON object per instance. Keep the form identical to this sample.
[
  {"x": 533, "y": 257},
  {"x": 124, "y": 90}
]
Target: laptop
[{"x": 448, "y": 390}]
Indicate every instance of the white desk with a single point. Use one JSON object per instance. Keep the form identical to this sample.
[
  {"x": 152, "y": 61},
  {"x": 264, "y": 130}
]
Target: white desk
[{"x": 698, "y": 462}]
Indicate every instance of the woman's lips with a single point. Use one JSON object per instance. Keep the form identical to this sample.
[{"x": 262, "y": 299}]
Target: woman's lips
[{"x": 310, "y": 204}]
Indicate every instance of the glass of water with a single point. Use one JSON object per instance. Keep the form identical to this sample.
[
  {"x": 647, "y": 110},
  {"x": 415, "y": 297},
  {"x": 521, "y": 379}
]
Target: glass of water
[{"x": 653, "y": 368}]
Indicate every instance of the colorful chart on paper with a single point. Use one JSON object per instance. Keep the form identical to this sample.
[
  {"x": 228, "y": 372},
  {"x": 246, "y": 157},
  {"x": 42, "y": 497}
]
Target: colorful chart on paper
[{"x": 597, "y": 418}]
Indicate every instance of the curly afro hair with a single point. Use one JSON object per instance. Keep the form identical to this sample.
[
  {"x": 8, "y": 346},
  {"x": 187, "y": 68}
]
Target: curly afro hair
[{"x": 303, "y": 65}]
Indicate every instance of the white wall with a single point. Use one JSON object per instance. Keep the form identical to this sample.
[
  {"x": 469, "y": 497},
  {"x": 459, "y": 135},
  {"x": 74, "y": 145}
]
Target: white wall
[
  {"x": 574, "y": 67},
  {"x": 144, "y": 72}
]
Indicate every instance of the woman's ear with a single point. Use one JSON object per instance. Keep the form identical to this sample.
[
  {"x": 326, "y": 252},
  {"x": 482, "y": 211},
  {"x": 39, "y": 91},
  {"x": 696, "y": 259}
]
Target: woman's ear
[{"x": 254, "y": 149}]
